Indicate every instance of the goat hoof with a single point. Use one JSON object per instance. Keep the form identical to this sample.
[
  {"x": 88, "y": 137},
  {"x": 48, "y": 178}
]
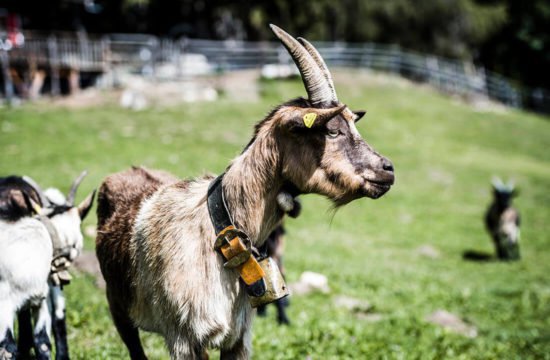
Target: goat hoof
[{"x": 6, "y": 355}]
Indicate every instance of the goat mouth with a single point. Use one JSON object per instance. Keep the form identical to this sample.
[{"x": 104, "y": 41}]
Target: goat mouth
[{"x": 375, "y": 189}]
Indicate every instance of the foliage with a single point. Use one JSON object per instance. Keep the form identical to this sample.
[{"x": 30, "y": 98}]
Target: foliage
[
  {"x": 445, "y": 154},
  {"x": 524, "y": 43},
  {"x": 508, "y": 36}
]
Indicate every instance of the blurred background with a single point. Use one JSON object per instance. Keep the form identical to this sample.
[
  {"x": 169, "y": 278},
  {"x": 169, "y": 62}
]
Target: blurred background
[
  {"x": 456, "y": 92},
  {"x": 497, "y": 48}
]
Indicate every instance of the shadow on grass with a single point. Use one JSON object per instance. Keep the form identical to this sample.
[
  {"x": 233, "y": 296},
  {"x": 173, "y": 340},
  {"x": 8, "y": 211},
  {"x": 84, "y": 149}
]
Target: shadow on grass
[{"x": 479, "y": 256}]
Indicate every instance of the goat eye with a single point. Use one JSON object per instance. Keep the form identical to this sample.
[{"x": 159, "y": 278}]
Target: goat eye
[{"x": 333, "y": 133}]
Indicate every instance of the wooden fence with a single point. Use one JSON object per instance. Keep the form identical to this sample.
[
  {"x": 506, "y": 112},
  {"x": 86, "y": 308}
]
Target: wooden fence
[{"x": 145, "y": 54}]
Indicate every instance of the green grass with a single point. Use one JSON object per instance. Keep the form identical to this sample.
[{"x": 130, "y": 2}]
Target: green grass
[{"x": 444, "y": 154}]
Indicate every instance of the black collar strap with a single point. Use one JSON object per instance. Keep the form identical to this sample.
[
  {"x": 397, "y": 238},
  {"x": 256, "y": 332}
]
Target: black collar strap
[
  {"x": 232, "y": 243},
  {"x": 216, "y": 206}
]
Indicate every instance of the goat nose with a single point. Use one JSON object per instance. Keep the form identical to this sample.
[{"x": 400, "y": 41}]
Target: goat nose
[{"x": 387, "y": 165}]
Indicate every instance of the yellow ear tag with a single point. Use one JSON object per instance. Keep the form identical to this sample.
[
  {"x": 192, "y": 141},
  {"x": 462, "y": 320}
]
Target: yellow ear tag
[
  {"x": 309, "y": 119},
  {"x": 36, "y": 207}
]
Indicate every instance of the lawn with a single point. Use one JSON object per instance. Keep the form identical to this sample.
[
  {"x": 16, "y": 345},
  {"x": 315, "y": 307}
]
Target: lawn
[{"x": 444, "y": 153}]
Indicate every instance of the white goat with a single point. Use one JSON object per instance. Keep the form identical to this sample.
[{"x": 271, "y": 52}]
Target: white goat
[{"x": 29, "y": 245}]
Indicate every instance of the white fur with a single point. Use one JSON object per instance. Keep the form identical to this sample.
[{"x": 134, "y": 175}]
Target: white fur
[
  {"x": 55, "y": 196},
  {"x": 67, "y": 225},
  {"x": 58, "y": 304},
  {"x": 25, "y": 262},
  {"x": 24, "y": 267},
  {"x": 208, "y": 300}
]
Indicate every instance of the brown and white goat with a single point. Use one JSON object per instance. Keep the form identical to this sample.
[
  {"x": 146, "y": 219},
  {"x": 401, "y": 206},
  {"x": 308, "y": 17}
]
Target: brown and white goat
[
  {"x": 502, "y": 221},
  {"x": 155, "y": 237}
]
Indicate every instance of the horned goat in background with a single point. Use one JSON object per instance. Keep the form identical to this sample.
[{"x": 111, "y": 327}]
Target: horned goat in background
[
  {"x": 503, "y": 220},
  {"x": 39, "y": 236},
  {"x": 156, "y": 235}
]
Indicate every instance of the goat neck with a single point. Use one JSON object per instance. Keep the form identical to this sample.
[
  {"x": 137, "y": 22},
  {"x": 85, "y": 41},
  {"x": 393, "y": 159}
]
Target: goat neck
[{"x": 251, "y": 184}]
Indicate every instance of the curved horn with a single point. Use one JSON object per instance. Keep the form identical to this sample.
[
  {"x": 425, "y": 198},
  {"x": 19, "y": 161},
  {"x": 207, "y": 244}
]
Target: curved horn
[
  {"x": 497, "y": 183},
  {"x": 43, "y": 199},
  {"x": 74, "y": 187},
  {"x": 327, "y": 114},
  {"x": 321, "y": 63},
  {"x": 317, "y": 87}
]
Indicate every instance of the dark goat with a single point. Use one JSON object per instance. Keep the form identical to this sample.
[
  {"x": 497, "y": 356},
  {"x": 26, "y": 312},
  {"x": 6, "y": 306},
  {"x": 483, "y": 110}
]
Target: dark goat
[
  {"x": 502, "y": 221},
  {"x": 274, "y": 247}
]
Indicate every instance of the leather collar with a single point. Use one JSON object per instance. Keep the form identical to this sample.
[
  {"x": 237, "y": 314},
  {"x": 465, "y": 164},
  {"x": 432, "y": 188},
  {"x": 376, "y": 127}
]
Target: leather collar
[{"x": 219, "y": 215}]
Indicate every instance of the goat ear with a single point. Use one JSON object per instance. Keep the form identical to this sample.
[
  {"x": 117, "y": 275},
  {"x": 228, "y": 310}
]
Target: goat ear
[
  {"x": 32, "y": 205},
  {"x": 311, "y": 117},
  {"x": 85, "y": 206},
  {"x": 359, "y": 114}
]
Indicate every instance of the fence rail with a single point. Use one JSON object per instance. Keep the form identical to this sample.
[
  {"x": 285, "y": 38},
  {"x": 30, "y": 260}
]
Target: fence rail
[{"x": 146, "y": 54}]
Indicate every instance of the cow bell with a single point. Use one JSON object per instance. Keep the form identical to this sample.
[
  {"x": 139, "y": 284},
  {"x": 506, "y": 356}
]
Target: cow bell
[{"x": 275, "y": 284}]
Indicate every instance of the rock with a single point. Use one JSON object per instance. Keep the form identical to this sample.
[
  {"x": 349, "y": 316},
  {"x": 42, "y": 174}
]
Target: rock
[
  {"x": 352, "y": 304},
  {"x": 90, "y": 231},
  {"x": 453, "y": 323},
  {"x": 310, "y": 282},
  {"x": 428, "y": 251}
]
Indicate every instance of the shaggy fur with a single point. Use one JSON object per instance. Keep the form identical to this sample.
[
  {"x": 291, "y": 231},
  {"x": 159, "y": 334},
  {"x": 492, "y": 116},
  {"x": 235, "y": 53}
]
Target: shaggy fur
[{"x": 155, "y": 236}]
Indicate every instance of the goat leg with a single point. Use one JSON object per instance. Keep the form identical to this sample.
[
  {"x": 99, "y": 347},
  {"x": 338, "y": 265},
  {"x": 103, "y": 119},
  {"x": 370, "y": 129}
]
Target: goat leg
[
  {"x": 42, "y": 324},
  {"x": 8, "y": 347},
  {"x": 24, "y": 340},
  {"x": 59, "y": 325}
]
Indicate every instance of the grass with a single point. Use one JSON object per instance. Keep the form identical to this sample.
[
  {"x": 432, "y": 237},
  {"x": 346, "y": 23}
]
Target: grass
[{"x": 445, "y": 154}]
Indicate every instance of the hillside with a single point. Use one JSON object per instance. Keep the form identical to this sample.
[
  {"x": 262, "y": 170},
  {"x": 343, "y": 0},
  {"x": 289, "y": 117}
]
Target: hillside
[{"x": 445, "y": 153}]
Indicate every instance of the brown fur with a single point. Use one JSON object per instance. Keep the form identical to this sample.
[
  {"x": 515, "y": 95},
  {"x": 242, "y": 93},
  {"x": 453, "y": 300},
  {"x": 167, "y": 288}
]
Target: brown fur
[
  {"x": 119, "y": 200},
  {"x": 155, "y": 236}
]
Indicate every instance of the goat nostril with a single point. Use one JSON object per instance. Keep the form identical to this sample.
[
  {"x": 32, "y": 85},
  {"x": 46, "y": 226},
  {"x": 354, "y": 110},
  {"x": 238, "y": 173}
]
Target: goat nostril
[{"x": 387, "y": 165}]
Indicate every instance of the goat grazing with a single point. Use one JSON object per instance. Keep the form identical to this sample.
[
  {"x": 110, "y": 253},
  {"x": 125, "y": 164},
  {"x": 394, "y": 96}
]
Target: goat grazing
[
  {"x": 31, "y": 246},
  {"x": 502, "y": 221},
  {"x": 157, "y": 236}
]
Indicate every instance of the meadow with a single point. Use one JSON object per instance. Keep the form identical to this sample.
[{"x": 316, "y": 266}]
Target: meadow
[{"x": 445, "y": 153}]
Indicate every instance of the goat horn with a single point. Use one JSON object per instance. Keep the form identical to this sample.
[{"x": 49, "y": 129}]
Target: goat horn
[
  {"x": 43, "y": 199},
  {"x": 327, "y": 114},
  {"x": 315, "y": 82},
  {"x": 74, "y": 187},
  {"x": 321, "y": 63},
  {"x": 497, "y": 183}
]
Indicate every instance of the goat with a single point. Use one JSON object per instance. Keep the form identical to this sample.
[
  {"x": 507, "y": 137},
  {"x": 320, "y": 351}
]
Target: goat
[
  {"x": 503, "y": 221},
  {"x": 274, "y": 247},
  {"x": 28, "y": 250},
  {"x": 155, "y": 234}
]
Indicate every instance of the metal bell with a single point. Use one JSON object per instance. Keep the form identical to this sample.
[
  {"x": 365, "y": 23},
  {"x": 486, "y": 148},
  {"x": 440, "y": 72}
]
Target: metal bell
[{"x": 275, "y": 284}]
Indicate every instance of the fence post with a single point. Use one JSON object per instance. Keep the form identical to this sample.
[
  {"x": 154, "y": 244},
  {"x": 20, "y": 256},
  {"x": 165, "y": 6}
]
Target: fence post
[
  {"x": 4, "y": 59},
  {"x": 433, "y": 71},
  {"x": 54, "y": 65},
  {"x": 106, "y": 60}
]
